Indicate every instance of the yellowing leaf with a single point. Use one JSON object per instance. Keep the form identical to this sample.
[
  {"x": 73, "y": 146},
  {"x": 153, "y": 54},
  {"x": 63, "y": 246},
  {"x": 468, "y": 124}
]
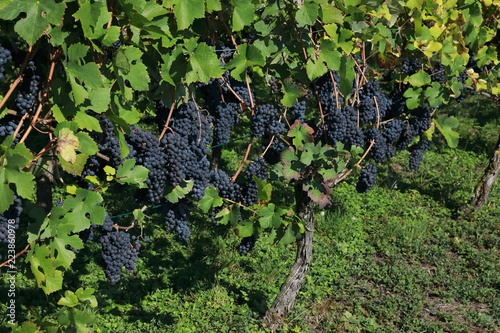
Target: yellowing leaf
[{"x": 67, "y": 144}]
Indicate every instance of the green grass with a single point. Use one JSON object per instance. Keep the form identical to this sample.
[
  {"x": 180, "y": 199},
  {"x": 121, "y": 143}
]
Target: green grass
[{"x": 400, "y": 258}]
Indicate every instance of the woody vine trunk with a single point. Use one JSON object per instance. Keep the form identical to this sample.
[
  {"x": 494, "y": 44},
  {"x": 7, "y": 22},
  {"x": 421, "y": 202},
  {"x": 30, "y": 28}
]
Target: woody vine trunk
[
  {"x": 283, "y": 303},
  {"x": 483, "y": 188}
]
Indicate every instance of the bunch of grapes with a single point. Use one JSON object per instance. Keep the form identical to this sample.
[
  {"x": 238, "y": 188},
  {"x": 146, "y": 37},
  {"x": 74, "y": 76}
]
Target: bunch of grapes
[
  {"x": 28, "y": 94},
  {"x": 410, "y": 66},
  {"x": 151, "y": 155},
  {"x": 227, "y": 189},
  {"x": 298, "y": 111},
  {"x": 381, "y": 149},
  {"x": 259, "y": 169},
  {"x": 176, "y": 218},
  {"x": 246, "y": 245},
  {"x": 186, "y": 148},
  {"x": 118, "y": 252},
  {"x": 367, "y": 178},
  {"x": 9, "y": 220},
  {"x": 5, "y": 56},
  {"x": 417, "y": 153},
  {"x": 328, "y": 91},
  {"x": 224, "y": 117},
  {"x": 438, "y": 73},
  {"x": 266, "y": 121},
  {"x": 373, "y": 104}
]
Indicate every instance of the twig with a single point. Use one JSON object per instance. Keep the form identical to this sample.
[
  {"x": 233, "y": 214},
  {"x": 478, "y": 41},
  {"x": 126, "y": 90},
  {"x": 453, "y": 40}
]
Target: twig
[
  {"x": 366, "y": 153},
  {"x": 164, "y": 130},
  {"x": 242, "y": 164},
  {"x": 45, "y": 95},
  {"x": 17, "y": 80},
  {"x": 16, "y": 256}
]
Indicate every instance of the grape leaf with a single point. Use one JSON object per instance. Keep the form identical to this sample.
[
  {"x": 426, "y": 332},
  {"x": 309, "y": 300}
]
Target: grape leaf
[
  {"x": 180, "y": 191},
  {"x": 129, "y": 173},
  {"x": 301, "y": 134},
  {"x": 210, "y": 199},
  {"x": 204, "y": 65},
  {"x": 48, "y": 277},
  {"x": 445, "y": 125},
  {"x": 307, "y": 14},
  {"x": 69, "y": 299},
  {"x": 186, "y": 11},
  {"x": 87, "y": 294},
  {"x": 243, "y": 14},
  {"x": 39, "y": 15},
  {"x": 93, "y": 17},
  {"x": 67, "y": 143}
]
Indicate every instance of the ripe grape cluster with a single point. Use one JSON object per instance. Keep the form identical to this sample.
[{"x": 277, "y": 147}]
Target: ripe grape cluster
[
  {"x": 417, "y": 153},
  {"x": 373, "y": 104},
  {"x": 341, "y": 126},
  {"x": 328, "y": 91},
  {"x": 247, "y": 244},
  {"x": 411, "y": 65},
  {"x": 27, "y": 96},
  {"x": 227, "y": 189},
  {"x": 225, "y": 116},
  {"x": 265, "y": 121},
  {"x": 176, "y": 218},
  {"x": 367, "y": 178},
  {"x": 438, "y": 73},
  {"x": 118, "y": 252},
  {"x": 150, "y": 154},
  {"x": 298, "y": 111},
  {"x": 5, "y": 56},
  {"x": 186, "y": 148},
  {"x": 259, "y": 169},
  {"x": 9, "y": 220}
]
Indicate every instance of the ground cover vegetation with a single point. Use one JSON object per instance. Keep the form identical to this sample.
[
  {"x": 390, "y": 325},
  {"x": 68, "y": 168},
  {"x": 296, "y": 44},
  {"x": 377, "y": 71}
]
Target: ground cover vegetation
[{"x": 162, "y": 160}]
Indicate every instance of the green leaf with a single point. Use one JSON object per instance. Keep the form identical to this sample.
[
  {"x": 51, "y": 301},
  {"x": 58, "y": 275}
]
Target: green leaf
[
  {"x": 75, "y": 168},
  {"x": 228, "y": 215},
  {"x": 204, "y": 65},
  {"x": 93, "y": 17},
  {"x": 301, "y": 134},
  {"x": 129, "y": 173},
  {"x": 286, "y": 236},
  {"x": 130, "y": 65},
  {"x": 419, "y": 79},
  {"x": 271, "y": 217},
  {"x": 290, "y": 165},
  {"x": 186, "y": 11},
  {"x": 248, "y": 55},
  {"x": 210, "y": 199},
  {"x": 316, "y": 68},
  {"x": 87, "y": 295},
  {"x": 264, "y": 189},
  {"x": 243, "y": 14},
  {"x": 292, "y": 92},
  {"x": 445, "y": 125},
  {"x": 69, "y": 299},
  {"x": 180, "y": 191},
  {"x": 245, "y": 229},
  {"x": 86, "y": 121},
  {"x": 37, "y": 19},
  {"x": 47, "y": 276},
  {"x": 414, "y": 97},
  {"x": 307, "y": 14}
]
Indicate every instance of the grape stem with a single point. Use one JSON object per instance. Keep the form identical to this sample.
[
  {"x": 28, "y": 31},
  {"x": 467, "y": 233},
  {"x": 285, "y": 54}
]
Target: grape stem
[
  {"x": 17, "y": 80},
  {"x": 242, "y": 164},
  {"x": 164, "y": 130}
]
